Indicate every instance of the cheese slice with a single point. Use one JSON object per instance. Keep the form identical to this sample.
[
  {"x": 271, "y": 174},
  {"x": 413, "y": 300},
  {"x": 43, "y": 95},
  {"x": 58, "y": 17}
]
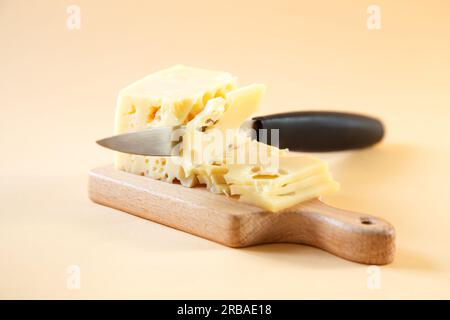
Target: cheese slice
[
  {"x": 289, "y": 169},
  {"x": 276, "y": 203},
  {"x": 214, "y": 151},
  {"x": 322, "y": 177}
]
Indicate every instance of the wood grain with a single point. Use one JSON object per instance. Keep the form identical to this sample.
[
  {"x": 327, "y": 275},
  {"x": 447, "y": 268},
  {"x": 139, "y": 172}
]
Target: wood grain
[{"x": 353, "y": 236}]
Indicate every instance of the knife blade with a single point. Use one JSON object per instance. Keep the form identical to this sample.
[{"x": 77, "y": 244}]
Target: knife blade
[
  {"x": 311, "y": 131},
  {"x": 158, "y": 141}
]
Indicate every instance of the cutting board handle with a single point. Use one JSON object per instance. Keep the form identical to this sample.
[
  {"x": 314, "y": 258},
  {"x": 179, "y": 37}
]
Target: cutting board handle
[{"x": 354, "y": 236}]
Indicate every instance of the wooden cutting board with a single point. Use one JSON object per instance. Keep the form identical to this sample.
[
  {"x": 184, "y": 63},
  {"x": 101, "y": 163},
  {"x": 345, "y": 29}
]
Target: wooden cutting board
[{"x": 354, "y": 236}]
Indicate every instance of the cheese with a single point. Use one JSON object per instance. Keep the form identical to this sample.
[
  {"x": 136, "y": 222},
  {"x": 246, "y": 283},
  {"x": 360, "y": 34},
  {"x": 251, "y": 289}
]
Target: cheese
[
  {"x": 173, "y": 96},
  {"x": 214, "y": 151},
  {"x": 290, "y": 169},
  {"x": 239, "y": 189},
  {"x": 212, "y": 135},
  {"x": 277, "y": 203}
]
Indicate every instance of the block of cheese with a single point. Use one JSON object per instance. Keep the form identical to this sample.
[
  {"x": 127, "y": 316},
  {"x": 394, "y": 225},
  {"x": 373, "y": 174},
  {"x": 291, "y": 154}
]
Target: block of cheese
[
  {"x": 173, "y": 96},
  {"x": 214, "y": 152}
]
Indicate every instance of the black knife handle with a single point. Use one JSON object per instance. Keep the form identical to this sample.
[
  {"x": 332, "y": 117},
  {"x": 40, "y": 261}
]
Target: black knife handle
[{"x": 317, "y": 131}]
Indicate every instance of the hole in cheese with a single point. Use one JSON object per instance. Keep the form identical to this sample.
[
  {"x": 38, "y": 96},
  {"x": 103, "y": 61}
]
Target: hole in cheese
[
  {"x": 265, "y": 176},
  {"x": 132, "y": 109},
  {"x": 152, "y": 112}
]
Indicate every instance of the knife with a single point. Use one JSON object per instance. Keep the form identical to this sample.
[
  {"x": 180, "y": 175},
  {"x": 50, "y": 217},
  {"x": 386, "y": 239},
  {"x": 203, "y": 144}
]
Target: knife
[{"x": 310, "y": 131}]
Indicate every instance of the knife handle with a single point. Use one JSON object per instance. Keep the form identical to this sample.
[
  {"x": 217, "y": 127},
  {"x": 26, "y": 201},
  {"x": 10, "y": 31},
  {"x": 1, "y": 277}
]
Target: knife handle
[{"x": 317, "y": 131}]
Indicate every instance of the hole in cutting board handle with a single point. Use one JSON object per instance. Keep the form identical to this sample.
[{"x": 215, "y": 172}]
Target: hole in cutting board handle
[{"x": 366, "y": 221}]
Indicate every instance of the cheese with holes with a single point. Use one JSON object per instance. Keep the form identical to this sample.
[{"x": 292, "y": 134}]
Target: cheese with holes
[
  {"x": 214, "y": 152},
  {"x": 174, "y": 96}
]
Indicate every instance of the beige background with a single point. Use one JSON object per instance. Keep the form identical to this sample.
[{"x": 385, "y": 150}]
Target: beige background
[{"x": 58, "y": 90}]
